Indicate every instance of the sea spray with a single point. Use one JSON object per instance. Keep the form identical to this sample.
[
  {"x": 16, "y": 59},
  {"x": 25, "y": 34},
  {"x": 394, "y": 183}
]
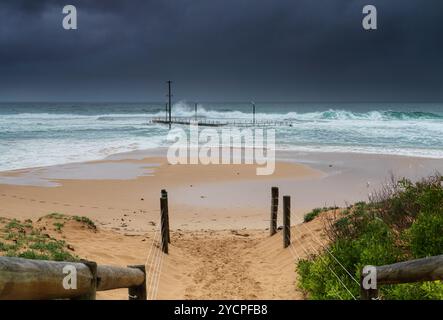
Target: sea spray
[
  {"x": 223, "y": 146},
  {"x": 39, "y": 134}
]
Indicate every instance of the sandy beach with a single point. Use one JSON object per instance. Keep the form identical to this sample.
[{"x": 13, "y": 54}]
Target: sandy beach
[{"x": 219, "y": 215}]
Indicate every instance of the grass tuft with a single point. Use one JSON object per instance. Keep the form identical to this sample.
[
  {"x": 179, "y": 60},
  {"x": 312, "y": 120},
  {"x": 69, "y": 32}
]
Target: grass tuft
[{"x": 24, "y": 240}]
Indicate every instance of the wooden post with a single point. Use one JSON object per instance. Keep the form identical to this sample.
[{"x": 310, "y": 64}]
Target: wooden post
[
  {"x": 164, "y": 194},
  {"x": 138, "y": 292},
  {"x": 196, "y": 104},
  {"x": 286, "y": 221},
  {"x": 163, "y": 220},
  {"x": 253, "y": 113},
  {"x": 274, "y": 210},
  {"x": 92, "y": 293}
]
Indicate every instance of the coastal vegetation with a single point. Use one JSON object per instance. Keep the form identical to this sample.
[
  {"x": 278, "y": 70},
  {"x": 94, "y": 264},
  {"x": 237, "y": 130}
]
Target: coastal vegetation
[
  {"x": 315, "y": 212},
  {"x": 33, "y": 240},
  {"x": 401, "y": 221}
]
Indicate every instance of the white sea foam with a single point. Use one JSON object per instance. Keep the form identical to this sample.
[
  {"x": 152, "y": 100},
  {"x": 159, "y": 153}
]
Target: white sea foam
[{"x": 30, "y": 139}]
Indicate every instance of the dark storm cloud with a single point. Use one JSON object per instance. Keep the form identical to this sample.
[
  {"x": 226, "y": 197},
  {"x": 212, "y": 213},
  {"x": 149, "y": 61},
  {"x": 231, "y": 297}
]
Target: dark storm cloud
[{"x": 221, "y": 50}]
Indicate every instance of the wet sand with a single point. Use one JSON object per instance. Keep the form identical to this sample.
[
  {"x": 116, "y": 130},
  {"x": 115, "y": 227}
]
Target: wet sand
[
  {"x": 123, "y": 191},
  {"x": 130, "y": 203}
]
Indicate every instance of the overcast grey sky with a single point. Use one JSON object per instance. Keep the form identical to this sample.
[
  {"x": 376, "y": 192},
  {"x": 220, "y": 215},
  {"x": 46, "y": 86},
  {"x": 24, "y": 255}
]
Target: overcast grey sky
[{"x": 305, "y": 50}]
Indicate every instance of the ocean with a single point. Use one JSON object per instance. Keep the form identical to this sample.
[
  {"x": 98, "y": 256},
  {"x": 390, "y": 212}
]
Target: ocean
[{"x": 41, "y": 134}]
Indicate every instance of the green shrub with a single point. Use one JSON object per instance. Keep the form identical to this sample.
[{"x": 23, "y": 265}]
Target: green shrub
[
  {"x": 61, "y": 255},
  {"x": 48, "y": 246},
  {"x": 316, "y": 280},
  {"x": 403, "y": 221},
  {"x": 426, "y": 235},
  {"x": 58, "y": 226},
  {"x": 85, "y": 220},
  {"x": 14, "y": 224},
  {"x": 57, "y": 216},
  {"x": 30, "y": 254},
  {"x": 402, "y": 201},
  {"x": 318, "y": 275},
  {"x": 315, "y": 212},
  {"x": 432, "y": 290},
  {"x": 54, "y": 249},
  {"x": 311, "y": 215},
  {"x": 30, "y": 243}
]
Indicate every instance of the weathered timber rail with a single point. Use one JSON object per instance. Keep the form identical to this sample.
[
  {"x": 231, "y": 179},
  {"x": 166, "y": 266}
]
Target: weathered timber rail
[
  {"x": 25, "y": 279},
  {"x": 419, "y": 270},
  {"x": 206, "y": 122}
]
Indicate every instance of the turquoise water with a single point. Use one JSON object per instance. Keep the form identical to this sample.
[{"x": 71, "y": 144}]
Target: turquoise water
[{"x": 38, "y": 134}]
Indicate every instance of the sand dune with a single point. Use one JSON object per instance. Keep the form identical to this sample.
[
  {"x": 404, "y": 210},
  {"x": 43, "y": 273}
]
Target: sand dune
[
  {"x": 208, "y": 264},
  {"x": 227, "y": 264}
]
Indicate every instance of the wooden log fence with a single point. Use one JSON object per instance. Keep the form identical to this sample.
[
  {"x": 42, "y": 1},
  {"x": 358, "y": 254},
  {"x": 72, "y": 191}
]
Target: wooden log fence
[
  {"x": 25, "y": 279},
  {"x": 419, "y": 270}
]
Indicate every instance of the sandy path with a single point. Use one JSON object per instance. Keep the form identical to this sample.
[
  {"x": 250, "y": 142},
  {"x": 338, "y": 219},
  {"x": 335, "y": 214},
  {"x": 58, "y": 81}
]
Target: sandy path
[
  {"x": 208, "y": 264},
  {"x": 245, "y": 264},
  {"x": 224, "y": 268}
]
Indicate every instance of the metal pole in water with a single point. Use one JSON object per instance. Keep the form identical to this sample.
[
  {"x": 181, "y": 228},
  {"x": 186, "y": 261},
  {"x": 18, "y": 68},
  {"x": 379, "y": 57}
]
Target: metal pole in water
[
  {"x": 253, "y": 113},
  {"x": 170, "y": 105}
]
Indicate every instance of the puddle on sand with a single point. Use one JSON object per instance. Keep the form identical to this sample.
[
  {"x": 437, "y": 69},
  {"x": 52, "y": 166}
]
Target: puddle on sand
[{"x": 45, "y": 176}]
